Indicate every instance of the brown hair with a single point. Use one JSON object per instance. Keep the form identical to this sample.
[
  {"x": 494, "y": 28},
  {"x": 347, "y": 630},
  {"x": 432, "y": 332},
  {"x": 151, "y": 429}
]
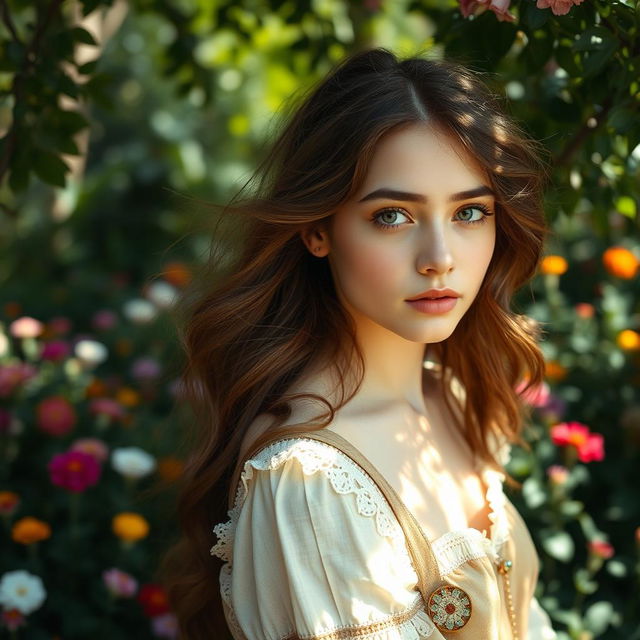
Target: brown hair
[{"x": 255, "y": 323}]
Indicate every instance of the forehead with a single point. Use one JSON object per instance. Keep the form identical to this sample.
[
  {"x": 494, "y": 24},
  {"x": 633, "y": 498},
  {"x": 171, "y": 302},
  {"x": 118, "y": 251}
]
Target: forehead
[{"x": 422, "y": 157}]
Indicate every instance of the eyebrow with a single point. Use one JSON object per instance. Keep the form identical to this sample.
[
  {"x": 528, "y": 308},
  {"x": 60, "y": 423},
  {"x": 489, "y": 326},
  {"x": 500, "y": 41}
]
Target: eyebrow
[{"x": 406, "y": 196}]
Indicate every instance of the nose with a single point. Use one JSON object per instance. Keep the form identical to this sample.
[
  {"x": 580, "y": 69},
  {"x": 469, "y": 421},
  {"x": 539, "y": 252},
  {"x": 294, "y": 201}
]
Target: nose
[{"x": 434, "y": 251}]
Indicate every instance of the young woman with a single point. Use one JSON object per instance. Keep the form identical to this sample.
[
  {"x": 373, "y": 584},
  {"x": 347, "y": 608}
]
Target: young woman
[{"x": 394, "y": 218}]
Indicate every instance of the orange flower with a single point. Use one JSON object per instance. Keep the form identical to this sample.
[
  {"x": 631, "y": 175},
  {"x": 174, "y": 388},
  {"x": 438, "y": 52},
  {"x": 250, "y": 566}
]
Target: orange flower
[
  {"x": 177, "y": 274},
  {"x": 620, "y": 262},
  {"x": 128, "y": 397},
  {"x": 555, "y": 371},
  {"x": 9, "y": 502},
  {"x": 556, "y": 265},
  {"x": 129, "y": 526},
  {"x": 96, "y": 389},
  {"x": 585, "y": 310},
  {"x": 600, "y": 548},
  {"x": 29, "y": 530},
  {"x": 628, "y": 340},
  {"x": 170, "y": 468}
]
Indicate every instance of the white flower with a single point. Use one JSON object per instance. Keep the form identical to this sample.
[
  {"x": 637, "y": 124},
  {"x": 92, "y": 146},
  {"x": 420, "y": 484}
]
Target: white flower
[
  {"x": 91, "y": 352},
  {"x": 139, "y": 311},
  {"x": 132, "y": 462},
  {"x": 162, "y": 294},
  {"x": 21, "y": 590}
]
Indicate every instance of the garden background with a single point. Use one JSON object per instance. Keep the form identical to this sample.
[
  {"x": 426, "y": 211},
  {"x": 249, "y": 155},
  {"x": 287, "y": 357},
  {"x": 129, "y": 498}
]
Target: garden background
[{"x": 117, "y": 117}]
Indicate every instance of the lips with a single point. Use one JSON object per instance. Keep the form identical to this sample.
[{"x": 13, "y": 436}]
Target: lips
[{"x": 434, "y": 294}]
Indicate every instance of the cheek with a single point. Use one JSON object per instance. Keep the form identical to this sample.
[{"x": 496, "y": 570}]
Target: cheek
[{"x": 366, "y": 267}]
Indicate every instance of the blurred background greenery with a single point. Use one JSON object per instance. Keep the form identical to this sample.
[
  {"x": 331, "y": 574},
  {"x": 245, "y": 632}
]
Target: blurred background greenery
[{"x": 117, "y": 118}]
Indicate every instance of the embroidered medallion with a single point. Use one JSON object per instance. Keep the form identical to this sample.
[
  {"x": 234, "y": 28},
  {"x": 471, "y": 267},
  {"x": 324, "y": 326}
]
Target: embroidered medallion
[{"x": 449, "y": 607}]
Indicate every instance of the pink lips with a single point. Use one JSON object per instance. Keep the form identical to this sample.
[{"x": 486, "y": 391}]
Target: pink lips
[{"x": 435, "y": 305}]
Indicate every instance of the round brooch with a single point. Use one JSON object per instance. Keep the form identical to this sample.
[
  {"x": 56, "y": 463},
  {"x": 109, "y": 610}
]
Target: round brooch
[{"x": 449, "y": 607}]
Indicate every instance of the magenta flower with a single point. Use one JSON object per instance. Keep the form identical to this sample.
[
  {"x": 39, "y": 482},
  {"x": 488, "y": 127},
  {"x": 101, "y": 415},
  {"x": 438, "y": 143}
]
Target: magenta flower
[
  {"x": 590, "y": 446},
  {"x": 93, "y": 446},
  {"x": 119, "y": 583},
  {"x": 108, "y": 407},
  {"x": 558, "y": 7},
  {"x": 56, "y": 416},
  {"x": 13, "y": 376},
  {"x": 56, "y": 350},
  {"x": 74, "y": 471}
]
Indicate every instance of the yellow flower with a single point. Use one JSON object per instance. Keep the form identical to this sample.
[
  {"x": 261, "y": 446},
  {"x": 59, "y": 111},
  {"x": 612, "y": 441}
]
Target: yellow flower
[
  {"x": 129, "y": 526},
  {"x": 29, "y": 530},
  {"x": 628, "y": 340},
  {"x": 128, "y": 397},
  {"x": 556, "y": 265},
  {"x": 620, "y": 262},
  {"x": 553, "y": 370}
]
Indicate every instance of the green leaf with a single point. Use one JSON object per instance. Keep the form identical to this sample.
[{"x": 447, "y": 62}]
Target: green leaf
[
  {"x": 82, "y": 35},
  {"x": 583, "y": 582},
  {"x": 88, "y": 67},
  {"x": 558, "y": 544},
  {"x": 49, "y": 167},
  {"x": 626, "y": 206},
  {"x": 532, "y": 16}
]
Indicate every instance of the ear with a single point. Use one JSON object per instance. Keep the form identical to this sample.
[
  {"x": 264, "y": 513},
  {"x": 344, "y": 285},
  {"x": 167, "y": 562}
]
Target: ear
[{"x": 316, "y": 239}]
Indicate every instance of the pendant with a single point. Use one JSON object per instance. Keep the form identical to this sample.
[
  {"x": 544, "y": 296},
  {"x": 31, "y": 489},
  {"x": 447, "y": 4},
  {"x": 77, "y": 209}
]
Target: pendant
[{"x": 449, "y": 607}]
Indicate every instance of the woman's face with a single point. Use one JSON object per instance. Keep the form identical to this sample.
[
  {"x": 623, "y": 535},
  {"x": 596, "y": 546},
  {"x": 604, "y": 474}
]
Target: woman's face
[{"x": 384, "y": 247}]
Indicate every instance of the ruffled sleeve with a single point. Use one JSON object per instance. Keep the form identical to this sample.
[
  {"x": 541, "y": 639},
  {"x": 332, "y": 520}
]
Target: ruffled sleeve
[{"x": 312, "y": 550}]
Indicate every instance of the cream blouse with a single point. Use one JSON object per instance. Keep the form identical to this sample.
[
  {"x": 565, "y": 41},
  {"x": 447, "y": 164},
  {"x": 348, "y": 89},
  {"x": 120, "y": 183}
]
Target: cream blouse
[{"x": 313, "y": 550}]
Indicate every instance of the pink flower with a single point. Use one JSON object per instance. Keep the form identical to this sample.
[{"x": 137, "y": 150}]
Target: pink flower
[
  {"x": 119, "y": 583},
  {"x": 74, "y": 470},
  {"x": 26, "y": 327},
  {"x": 12, "y": 619},
  {"x": 104, "y": 319},
  {"x": 59, "y": 326},
  {"x": 600, "y": 548},
  {"x": 535, "y": 396},
  {"x": 93, "y": 446},
  {"x": 56, "y": 416},
  {"x": 107, "y": 407},
  {"x": 165, "y": 625},
  {"x": 590, "y": 446},
  {"x": 558, "y": 474},
  {"x": 55, "y": 350},
  {"x": 476, "y": 7},
  {"x": 14, "y": 375},
  {"x": 558, "y": 7},
  {"x": 145, "y": 368}
]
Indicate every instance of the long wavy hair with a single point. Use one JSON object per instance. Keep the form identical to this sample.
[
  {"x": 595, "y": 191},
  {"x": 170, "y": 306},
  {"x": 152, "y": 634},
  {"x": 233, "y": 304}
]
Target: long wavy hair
[{"x": 256, "y": 319}]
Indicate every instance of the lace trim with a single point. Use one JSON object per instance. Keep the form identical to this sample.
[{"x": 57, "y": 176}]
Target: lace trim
[
  {"x": 411, "y": 624},
  {"x": 345, "y": 476}
]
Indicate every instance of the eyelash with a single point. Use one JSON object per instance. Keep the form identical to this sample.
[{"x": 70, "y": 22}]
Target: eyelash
[{"x": 384, "y": 225}]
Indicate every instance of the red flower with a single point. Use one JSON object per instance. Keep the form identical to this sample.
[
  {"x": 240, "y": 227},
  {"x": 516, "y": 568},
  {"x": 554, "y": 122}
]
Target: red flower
[
  {"x": 74, "y": 470},
  {"x": 590, "y": 446},
  {"x": 56, "y": 416},
  {"x": 600, "y": 548},
  {"x": 153, "y": 599}
]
